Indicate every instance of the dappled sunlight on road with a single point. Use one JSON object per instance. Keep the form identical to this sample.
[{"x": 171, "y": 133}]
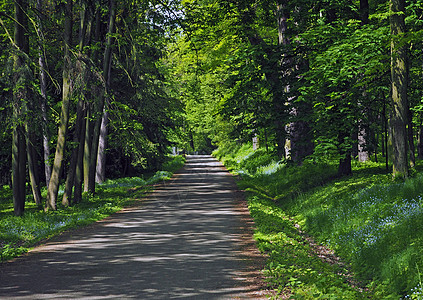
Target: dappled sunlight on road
[{"x": 182, "y": 243}]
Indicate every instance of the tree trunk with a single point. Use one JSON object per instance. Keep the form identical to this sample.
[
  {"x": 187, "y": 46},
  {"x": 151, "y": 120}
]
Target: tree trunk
[
  {"x": 101, "y": 156},
  {"x": 399, "y": 78},
  {"x": 363, "y": 138},
  {"x": 420, "y": 143},
  {"x": 363, "y": 141},
  {"x": 280, "y": 92},
  {"x": 32, "y": 166},
  {"x": 410, "y": 132},
  {"x": 100, "y": 107},
  {"x": 64, "y": 115},
  {"x": 364, "y": 12},
  {"x": 344, "y": 167},
  {"x": 256, "y": 144},
  {"x": 87, "y": 148},
  {"x": 18, "y": 170},
  {"x": 299, "y": 130},
  {"x": 43, "y": 104},
  {"x": 70, "y": 179},
  {"x": 20, "y": 98},
  {"x": 84, "y": 37},
  {"x": 79, "y": 163}
]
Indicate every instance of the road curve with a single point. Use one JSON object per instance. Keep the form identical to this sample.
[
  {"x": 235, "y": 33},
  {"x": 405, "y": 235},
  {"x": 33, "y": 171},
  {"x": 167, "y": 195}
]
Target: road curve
[{"x": 188, "y": 240}]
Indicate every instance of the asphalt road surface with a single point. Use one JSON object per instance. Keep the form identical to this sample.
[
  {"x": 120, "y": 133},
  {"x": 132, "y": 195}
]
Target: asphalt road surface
[{"x": 190, "y": 239}]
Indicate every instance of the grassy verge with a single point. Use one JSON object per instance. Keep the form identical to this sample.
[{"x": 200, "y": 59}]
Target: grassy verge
[
  {"x": 374, "y": 224},
  {"x": 18, "y": 234}
]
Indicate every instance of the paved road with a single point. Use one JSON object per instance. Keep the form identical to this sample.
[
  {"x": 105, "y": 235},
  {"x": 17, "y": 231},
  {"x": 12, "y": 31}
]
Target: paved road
[{"x": 188, "y": 240}]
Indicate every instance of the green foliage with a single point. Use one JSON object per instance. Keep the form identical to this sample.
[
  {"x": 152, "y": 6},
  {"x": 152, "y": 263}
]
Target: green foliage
[
  {"x": 8, "y": 251},
  {"x": 173, "y": 163}
]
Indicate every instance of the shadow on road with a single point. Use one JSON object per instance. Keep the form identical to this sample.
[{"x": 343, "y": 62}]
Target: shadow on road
[{"x": 184, "y": 242}]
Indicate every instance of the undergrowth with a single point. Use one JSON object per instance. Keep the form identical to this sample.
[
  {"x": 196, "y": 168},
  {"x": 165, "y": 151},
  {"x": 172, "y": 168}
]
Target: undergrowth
[
  {"x": 374, "y": 224},
  {"x": 18, "y": 234}
]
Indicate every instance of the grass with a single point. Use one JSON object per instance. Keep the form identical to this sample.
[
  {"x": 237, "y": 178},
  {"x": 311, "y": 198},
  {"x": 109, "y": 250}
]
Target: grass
[
  {"x": 374, "y": 224},
  {"x": 18, "y": 234}
]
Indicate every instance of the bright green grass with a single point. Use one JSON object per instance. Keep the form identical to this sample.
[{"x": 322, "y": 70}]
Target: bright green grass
[
  {"x": 374, "y": 224},
  {"x": 17, "y": 234},
  {"x": 291, "y": 265}
]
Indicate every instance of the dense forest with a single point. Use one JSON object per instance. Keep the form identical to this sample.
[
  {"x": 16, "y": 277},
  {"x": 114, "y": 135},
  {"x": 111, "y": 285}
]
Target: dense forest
[{"x": 101, "y": 89}]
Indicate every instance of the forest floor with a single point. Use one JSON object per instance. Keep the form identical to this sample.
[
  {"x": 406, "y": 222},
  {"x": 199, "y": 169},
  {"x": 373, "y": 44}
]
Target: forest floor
[{"x": 191, "y": 238}]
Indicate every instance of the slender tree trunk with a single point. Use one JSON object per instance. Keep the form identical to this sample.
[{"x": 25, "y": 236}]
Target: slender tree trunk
[
  {"x": 383, "y": 142},
  {"x": 32, "y": 166},
  {"x": 364, "y": 12},
  {"x": 410, "y": 132},
  {"x": 354, "y": 149},
  {"x": 20, "y": 98},
  {"x": 399, "y": 78},
  {"x": 255, "y": 140},
  {"x": 106, "y": 67},
  {"x": 79, "y": 164},
  {"x": 64, "y": 115},
  {"x": 70, "y": 179},
  {"x": 43, "y": 104},
  {"x": 344, "y": 167},
  {"x": 18, "y": 170},
  {"x": 363, "y": 137},
  {"x": 363, "y": 143},
  {"x": 376, "y": 147},
  {"x": 87, "y": 148},
  {"x": 101, "y": 156},
  {"x": 100, "y": 175},
  {"x": 420, "y": 141},
  {"x": 84, "y": 37}
]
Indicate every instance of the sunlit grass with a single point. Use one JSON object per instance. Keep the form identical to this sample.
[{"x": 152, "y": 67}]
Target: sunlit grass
[
  {"x": 374, "y": 224},
  {"x": 17, "y": 234}
]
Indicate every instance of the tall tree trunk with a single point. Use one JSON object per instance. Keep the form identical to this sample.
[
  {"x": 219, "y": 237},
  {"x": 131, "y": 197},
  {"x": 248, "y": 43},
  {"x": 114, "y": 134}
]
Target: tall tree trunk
[
  {"x": 363, "y": 137},
  {"x": 100, "y": 174},
  {"x": 271, "y": 71},
  {"x": 100, "y": 107},
  {"x": 20, "y": 98},
  {"x": 84, "y": 37},
  {"x": 43, "y": 104},
  {"x": 399, "y": 78},
  {"x": 299, "y": 130},
  {"x": 279, "y": 92},
  {"x": 64, "y": 115}
]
